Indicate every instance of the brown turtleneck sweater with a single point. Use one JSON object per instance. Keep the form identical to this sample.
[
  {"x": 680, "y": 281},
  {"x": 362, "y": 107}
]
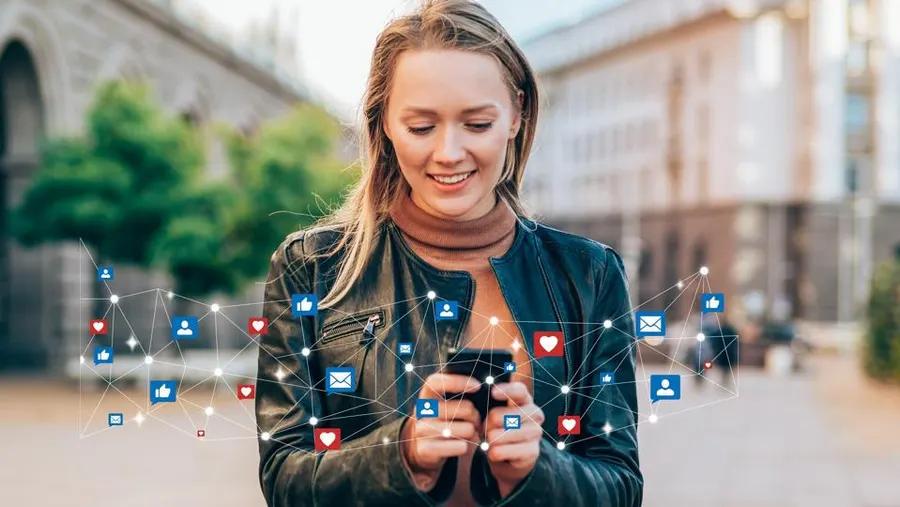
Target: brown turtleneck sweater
[{"x": 466, "y": 246}]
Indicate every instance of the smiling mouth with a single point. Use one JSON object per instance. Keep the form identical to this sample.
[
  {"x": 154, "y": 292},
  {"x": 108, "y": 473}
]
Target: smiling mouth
[{"x": 450, "y": 180}]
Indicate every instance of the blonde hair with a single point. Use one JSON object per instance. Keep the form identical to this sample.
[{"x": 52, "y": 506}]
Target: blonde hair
[{"x": 436, "y": 24}]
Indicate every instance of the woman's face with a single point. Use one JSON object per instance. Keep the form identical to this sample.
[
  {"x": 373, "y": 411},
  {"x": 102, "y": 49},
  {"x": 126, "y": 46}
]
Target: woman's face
[{"x": 449, "y": 118}]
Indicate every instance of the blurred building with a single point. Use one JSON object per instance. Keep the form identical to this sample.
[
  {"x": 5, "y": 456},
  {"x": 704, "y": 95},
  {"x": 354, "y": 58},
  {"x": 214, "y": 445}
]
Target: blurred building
[
  {"x": 53, "y": 53},
  {"x": 758, "y": 137}
]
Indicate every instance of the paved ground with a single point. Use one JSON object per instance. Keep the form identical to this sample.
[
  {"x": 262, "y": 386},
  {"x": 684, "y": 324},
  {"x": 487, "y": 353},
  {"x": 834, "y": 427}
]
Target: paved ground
[{"x": 822, "y": 438}]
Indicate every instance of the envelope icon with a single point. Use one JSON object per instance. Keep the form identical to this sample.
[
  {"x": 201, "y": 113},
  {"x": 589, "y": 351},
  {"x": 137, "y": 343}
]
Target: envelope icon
[
  {"x": 651, "y": 323},
  {"x": 116, "y": 419},
  {"x": 340, "y": 379}
]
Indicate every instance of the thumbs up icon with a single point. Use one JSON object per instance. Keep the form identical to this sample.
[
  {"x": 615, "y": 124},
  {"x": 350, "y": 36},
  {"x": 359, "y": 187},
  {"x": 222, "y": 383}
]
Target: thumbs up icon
[
  {"x": 103, "y": 355},
  {"x": 162, "y": 391},
  {"x": 304, "y": 305},
  {"x": 712, "y": 303}
]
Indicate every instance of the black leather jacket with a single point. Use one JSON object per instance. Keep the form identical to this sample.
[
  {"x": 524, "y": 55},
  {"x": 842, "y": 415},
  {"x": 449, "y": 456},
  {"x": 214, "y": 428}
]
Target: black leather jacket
[{"x": 551, "y": 280}]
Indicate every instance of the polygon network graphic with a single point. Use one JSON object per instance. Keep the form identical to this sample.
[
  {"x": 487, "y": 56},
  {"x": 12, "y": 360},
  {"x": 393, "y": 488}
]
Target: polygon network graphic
[{"x": 149, "y": 356}]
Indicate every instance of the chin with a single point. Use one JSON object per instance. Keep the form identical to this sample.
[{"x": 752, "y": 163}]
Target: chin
[{"x": 453, "y": 207}]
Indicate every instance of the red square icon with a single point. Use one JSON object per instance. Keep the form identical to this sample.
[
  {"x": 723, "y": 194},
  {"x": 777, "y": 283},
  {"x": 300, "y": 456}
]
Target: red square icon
[
  {"x": 568, "y": 425},
  {"x": 201, "y": 433},
  {"x": 548, "y": 343},
  {"x": 98, "y": 326},
  {"x": 257, "y": 326},
  {"x": 327, "y": 439},
  {"x": 246, "y": 391}
]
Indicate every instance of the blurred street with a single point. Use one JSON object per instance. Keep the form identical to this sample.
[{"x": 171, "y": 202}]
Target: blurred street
[{"x": 824, "y": 437}]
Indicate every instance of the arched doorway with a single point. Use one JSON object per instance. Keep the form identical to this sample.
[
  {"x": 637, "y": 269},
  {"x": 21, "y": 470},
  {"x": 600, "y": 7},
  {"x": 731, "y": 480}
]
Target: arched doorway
[{"x": 23, "y": 326}]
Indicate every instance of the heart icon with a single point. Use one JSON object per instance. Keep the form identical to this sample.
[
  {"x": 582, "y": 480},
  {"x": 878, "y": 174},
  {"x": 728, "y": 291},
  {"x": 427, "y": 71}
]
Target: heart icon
[
  {"x": 568, "y": 424},
  {"x": 98, "y": 326},
  {"x": 257, "y": 324},
  {"x": 327, "y": 438},
  {"x": 246, "y": 390},
  {"x": 548, "y": 342}
]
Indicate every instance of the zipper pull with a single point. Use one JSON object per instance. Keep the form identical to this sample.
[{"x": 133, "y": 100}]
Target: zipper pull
[{"x": 369, "y": 331}]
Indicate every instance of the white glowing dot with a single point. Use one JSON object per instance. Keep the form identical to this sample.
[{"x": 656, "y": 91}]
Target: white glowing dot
[
  {"x": 607, "y": 323},
  {"x": 264, "y": 436},
  {"x": 132, "y": 342},
  {"x": 209, "y": 411},
  {"x": 494, "y": 321},
  {"x": 653, "y": 418},
  {"x": 560, "y": 445},
  {"x": 485, "y": 446},
  {"x": 305, "y": 351},
  {"x": 170, "y": 295},
  {"x": 81, "y": 359},
  {"x": 515, "y": 345},
  {"x": 607, "y": 428},
  {"x": 680, "y": 284},
  {"x": 279, "y": 374},
  {"x": 704, "y": 271},
  {"x": 431, "y": 294},
  {"x": 408, "y": 367},
  {"x": 217, "y": 372},
  {"x": 701, "y": 337},
  {"x": 385, "y": 440},
  {"x": 139, "y": 418},
  {"x": 489, "y": 380},
  {"x": 313, "y": 421},
  {"x": 446, "y": 432},
  {"x": 113, "y": 299},
  {"x": 148, "y": 359},
  {"x": 214, "y": 307},
  {"x": 564, "y": 389}
]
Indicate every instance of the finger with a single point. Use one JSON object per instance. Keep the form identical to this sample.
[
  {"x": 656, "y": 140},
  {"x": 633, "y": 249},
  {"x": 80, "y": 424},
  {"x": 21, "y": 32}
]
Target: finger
[
  {"x": 433, "y": 450},
  {"x": 530, "y": 413},
  {"x": 522, "y": 451},
  {"x": 439, "y": 384},
  {"x": 458, "y": 410},
  {"x": 516, "y": 392},
  {"x": 527, "y": 432},
  {"x": 432, "y": 429}
]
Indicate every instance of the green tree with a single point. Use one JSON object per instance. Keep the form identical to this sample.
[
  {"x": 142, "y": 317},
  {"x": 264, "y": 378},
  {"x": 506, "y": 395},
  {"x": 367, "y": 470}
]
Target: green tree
[
  {"x": 133, "y": 188},
  {"x": 882, "y": 340}
]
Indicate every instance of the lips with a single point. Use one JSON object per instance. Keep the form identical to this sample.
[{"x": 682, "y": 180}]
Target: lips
[{"x": 451, "y": 179}]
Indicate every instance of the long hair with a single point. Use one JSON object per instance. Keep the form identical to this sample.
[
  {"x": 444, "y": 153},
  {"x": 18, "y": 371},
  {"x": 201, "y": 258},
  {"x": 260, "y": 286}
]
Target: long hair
[{"x": 435, "y": 24}]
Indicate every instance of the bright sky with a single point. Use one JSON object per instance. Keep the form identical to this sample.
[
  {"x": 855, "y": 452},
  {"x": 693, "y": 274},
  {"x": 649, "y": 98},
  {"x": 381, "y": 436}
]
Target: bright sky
[{"x": 336, "y": 37}]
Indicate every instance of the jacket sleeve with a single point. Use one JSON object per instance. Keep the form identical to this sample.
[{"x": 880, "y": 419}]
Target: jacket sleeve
[
  {"x": 367, "y": 470},
  {"x": 597, "y": 469}
]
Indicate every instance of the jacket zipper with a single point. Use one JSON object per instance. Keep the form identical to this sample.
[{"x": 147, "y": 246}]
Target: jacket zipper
[{"x": 351, "y": 325}]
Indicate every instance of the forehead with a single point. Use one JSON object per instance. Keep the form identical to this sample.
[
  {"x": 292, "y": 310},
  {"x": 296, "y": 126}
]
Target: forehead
[{"x": 447, "y": 80}]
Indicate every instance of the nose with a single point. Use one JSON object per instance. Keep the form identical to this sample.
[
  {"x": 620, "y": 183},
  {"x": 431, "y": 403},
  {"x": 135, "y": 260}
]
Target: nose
[{"x": 449, "y": 149}]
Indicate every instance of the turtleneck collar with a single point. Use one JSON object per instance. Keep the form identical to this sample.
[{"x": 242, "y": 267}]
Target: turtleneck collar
[{"x": 494, "y": 229}]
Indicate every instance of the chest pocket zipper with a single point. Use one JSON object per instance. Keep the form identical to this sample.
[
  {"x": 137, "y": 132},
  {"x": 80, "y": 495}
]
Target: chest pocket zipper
[{"x": 363, "y": 323}]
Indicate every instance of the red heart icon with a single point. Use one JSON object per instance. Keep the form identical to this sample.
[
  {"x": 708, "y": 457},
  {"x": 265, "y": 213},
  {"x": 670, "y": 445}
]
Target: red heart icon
[
  {"x": 257, "y": 326},
  {"x": 568, "y": 425},
  {"x": 97, "y": 326},
  {"x": 327, "y": 439}
]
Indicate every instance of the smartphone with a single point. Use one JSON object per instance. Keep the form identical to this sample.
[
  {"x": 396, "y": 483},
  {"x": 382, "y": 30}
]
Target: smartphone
[{"x": 479, "y": 364}]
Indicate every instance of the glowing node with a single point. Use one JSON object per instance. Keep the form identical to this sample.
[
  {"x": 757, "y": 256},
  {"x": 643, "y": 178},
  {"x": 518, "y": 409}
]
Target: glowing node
[
  {"x": 132, "y": 342},
  {"x": 701, "y": 337},
  {"x": 607, "y": 323},
  {"x": 494, "y": 321},
  {"x": 704, "y": 271},
  {"x": 170, "y": 295},
  {"x": 653, "y": 418},
  {"x": 264, "y": 436},
  {"x": 313, "y": 421},
  {"x": 516, "y": 345},
  {"x": 113, "y": 299},
  {"x": 139, "y": 418},
  {"x": 489, "y": 380},
  {"x": 217, "y": 372},
  {"x": 607, "y": 428},
  {"x": 431, "y": 294},
  {"x": 485, "y": 446},
  {"x": 446, "y": 433},
  {"x": 305, "y": 351},
  {"x": 208, "y": 411},
  {"x": 408, "y": 367},
  {"x": 680, "y": 284},
  {"x": 561, "y": 445},
  {"x": 81, "y": 359},
  {"x": 564, "y": 389},
  {"x": 385, "y": 440},
  {"x": 279, "y": 374},
  {"x": 148, "y": 359},
  {"x": 214, "y": 307}
]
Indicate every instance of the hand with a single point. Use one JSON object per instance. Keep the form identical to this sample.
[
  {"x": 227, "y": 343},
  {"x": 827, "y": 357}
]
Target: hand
[
  {"x": 513, "y": 453},
  {"x": 424, "y": 445}
]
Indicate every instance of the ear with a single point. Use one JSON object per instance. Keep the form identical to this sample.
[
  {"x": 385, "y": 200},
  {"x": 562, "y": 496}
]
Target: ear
[
  {"x": 385, "y": 128},
  {"x": 517, "y": 120}
]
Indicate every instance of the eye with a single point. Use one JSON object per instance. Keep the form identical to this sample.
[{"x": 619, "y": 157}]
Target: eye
[
  {"x": 419, "y": 131},
  {"x": 480, "y": 127}
]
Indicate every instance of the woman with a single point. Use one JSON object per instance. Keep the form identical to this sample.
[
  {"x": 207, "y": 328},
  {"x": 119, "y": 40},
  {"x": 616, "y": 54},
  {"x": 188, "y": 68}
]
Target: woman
[{"x": 450, "y": 113}]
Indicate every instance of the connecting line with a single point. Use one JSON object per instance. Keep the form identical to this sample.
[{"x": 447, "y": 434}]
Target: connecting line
[{"x": 377, "y": 408}]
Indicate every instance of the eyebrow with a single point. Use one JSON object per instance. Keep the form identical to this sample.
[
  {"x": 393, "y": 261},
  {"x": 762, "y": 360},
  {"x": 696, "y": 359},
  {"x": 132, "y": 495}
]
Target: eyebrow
[{"x": 468, "y": 110}]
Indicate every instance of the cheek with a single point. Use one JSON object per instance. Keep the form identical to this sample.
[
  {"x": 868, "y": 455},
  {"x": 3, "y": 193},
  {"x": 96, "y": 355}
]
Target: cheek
[{"x": 489, "y": 151}]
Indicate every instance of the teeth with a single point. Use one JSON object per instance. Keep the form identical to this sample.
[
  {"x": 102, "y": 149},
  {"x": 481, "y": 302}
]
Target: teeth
[{"x": 452, "y": 179}]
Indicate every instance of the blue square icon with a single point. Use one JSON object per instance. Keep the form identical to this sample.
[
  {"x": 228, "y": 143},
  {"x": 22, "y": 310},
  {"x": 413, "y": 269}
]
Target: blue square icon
[
  {"x": 650, "y": 324},
  {"x": 607, "y": 377},
  {"x": 665, "y": 387},
  {"x": 426, "y": 407},
  {"x": 105, "y": 273},
  {"x": 512, "y": 422},
  {"x": 446, "y": 310},
  {"x": 103, "y": 355},
  {"x": 509, "y": 367},
  {"x": 115, "y": 419},
  {"x": 304, "y": 305},
  {"x": 185, "y": 327},
  {"x": 340, "y": 379},
  {"x": 163, "y": 391},
  {"x": 713, "y": 302},
  {"x": 404, "y": 348}
]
